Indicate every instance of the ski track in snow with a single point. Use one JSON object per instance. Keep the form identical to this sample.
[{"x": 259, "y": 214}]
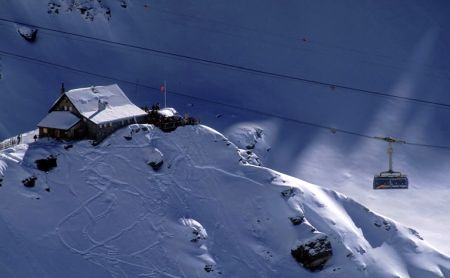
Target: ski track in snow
[
  {"x": 95, "y": 178},
  {"x": 100, "y": 181},
  {"x": 111, "y": 256},
  {"x": 251, "y": 262}
]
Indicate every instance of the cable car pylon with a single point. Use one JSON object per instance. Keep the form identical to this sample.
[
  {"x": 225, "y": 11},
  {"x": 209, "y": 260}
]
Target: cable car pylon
[{"x": 390, "y": 179}]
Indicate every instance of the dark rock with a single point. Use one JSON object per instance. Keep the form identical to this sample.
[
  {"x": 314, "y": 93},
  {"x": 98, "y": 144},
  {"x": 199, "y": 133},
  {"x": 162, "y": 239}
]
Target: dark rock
[
  {"x": 156, "y": 166},
  {"x": 95, "y": 143},
  {"x": 314, "y": 253},
  {"x": 290, "y": 192},
  {"x": 46, "y": 164},
  {"x": 53, "y": 8},
  {"x": 258, "y": 133},
  {"x": 47, "y": 189},
  {"x": 412, "y": 231},
  {"x": 128, "y": 138},
  {"x": 28, "y": 33},
  {"x": 69, "y": 146},
  {"x": 297, "y": 220},
  {"x": 30, "y": 181},
  {"x": 208, "y": 268},
  {"x": 251, "y": 146},
  {"x": 360, "y": 250},
  {"x": 380, "y": 222},
  {"x": 198, "y": 235},
  {"x": 249, "y": 157}
]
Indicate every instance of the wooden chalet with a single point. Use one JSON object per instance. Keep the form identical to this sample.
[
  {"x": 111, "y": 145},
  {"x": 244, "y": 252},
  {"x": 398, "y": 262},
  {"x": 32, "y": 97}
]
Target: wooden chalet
[{"x": 90, "y": 113}]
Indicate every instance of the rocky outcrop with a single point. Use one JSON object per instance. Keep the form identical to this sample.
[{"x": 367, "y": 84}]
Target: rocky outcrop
[
  {"x": 249, "y": 157},
  {"x": 88, "y": 9},
  {"x": 313, "y": 249},
  {"x": 314, "y": 252},
  {"x": 28, "y": 33},
  {"x": 155, "y": 159}
]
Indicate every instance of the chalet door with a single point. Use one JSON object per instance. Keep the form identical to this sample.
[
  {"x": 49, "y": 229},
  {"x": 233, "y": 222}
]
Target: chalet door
[{"x": 57, "y": 133}]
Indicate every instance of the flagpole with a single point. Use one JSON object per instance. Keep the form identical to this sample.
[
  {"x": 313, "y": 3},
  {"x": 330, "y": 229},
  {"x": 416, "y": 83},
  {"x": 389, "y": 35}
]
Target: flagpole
[{"x": 165, "y": 94}]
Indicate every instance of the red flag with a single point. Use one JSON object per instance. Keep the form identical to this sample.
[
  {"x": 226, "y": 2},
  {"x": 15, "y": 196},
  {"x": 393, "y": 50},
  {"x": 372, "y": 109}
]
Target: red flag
[{"x": 162, "y": 88}]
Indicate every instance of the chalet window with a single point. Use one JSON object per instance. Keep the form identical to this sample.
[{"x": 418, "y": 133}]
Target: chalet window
[
  {"x": 65, "y": 107},
  {"x": 110, "y": 124},
  {"x": 70, "y": 108},
  {"x": 45, "y": 130}
]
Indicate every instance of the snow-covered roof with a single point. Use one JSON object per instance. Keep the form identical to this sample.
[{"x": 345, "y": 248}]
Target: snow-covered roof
[
  {"x": 167, "y": 112},
  {"x": 59, "y": 119},
  {"x": 103, "y": 103}
]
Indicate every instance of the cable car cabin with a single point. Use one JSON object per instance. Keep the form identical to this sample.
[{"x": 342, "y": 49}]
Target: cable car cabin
[{"x": 390, "y": 181}]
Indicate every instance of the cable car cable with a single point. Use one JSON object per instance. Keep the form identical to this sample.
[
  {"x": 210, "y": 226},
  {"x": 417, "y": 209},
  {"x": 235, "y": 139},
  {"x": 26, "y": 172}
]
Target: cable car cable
[
  {"x": 315, "y": 125},
  {"x": 241, "y": 68}
]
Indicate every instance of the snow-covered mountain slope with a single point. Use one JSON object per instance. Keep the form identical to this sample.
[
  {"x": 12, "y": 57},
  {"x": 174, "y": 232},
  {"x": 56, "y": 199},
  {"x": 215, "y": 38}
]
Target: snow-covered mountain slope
[
  {"x": 396, "y": 47},
  {"x": 208, "y": 211}
]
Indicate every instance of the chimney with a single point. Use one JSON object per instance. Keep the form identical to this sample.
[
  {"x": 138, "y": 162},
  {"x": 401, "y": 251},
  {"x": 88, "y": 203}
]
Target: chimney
[
  {"x": 63, "y": 89},
  {"x": 101, "y": 105}
]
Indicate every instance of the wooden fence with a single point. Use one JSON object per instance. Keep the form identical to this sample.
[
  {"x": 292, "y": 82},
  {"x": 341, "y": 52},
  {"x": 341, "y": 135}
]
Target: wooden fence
[{"x": 8, "y": 143}]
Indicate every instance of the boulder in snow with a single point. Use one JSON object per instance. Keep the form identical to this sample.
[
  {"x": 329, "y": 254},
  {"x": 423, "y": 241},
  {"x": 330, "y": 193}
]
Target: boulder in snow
[
  {"x": 28, "y": 33},
  {"x": 297, "y": 220},
  {"x": 30, "y": 181},
  {"x": 198, "y": 232},
  {"x": 314, "y": 252},
  {"x": 46, "y": 164},
  {"x": 155, "y": 159}
]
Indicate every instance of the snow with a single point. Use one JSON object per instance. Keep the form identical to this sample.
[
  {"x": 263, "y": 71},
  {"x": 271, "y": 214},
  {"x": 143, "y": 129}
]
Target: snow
[
  {"x": 155, "y": 156},
  {"x": 167, "y": 112},
  {"x": 117, "y": 106},
  {"x": 107, "y": 214},
  {"x": 59, "y": 119},
  {"x": 404, "y": 52}
]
